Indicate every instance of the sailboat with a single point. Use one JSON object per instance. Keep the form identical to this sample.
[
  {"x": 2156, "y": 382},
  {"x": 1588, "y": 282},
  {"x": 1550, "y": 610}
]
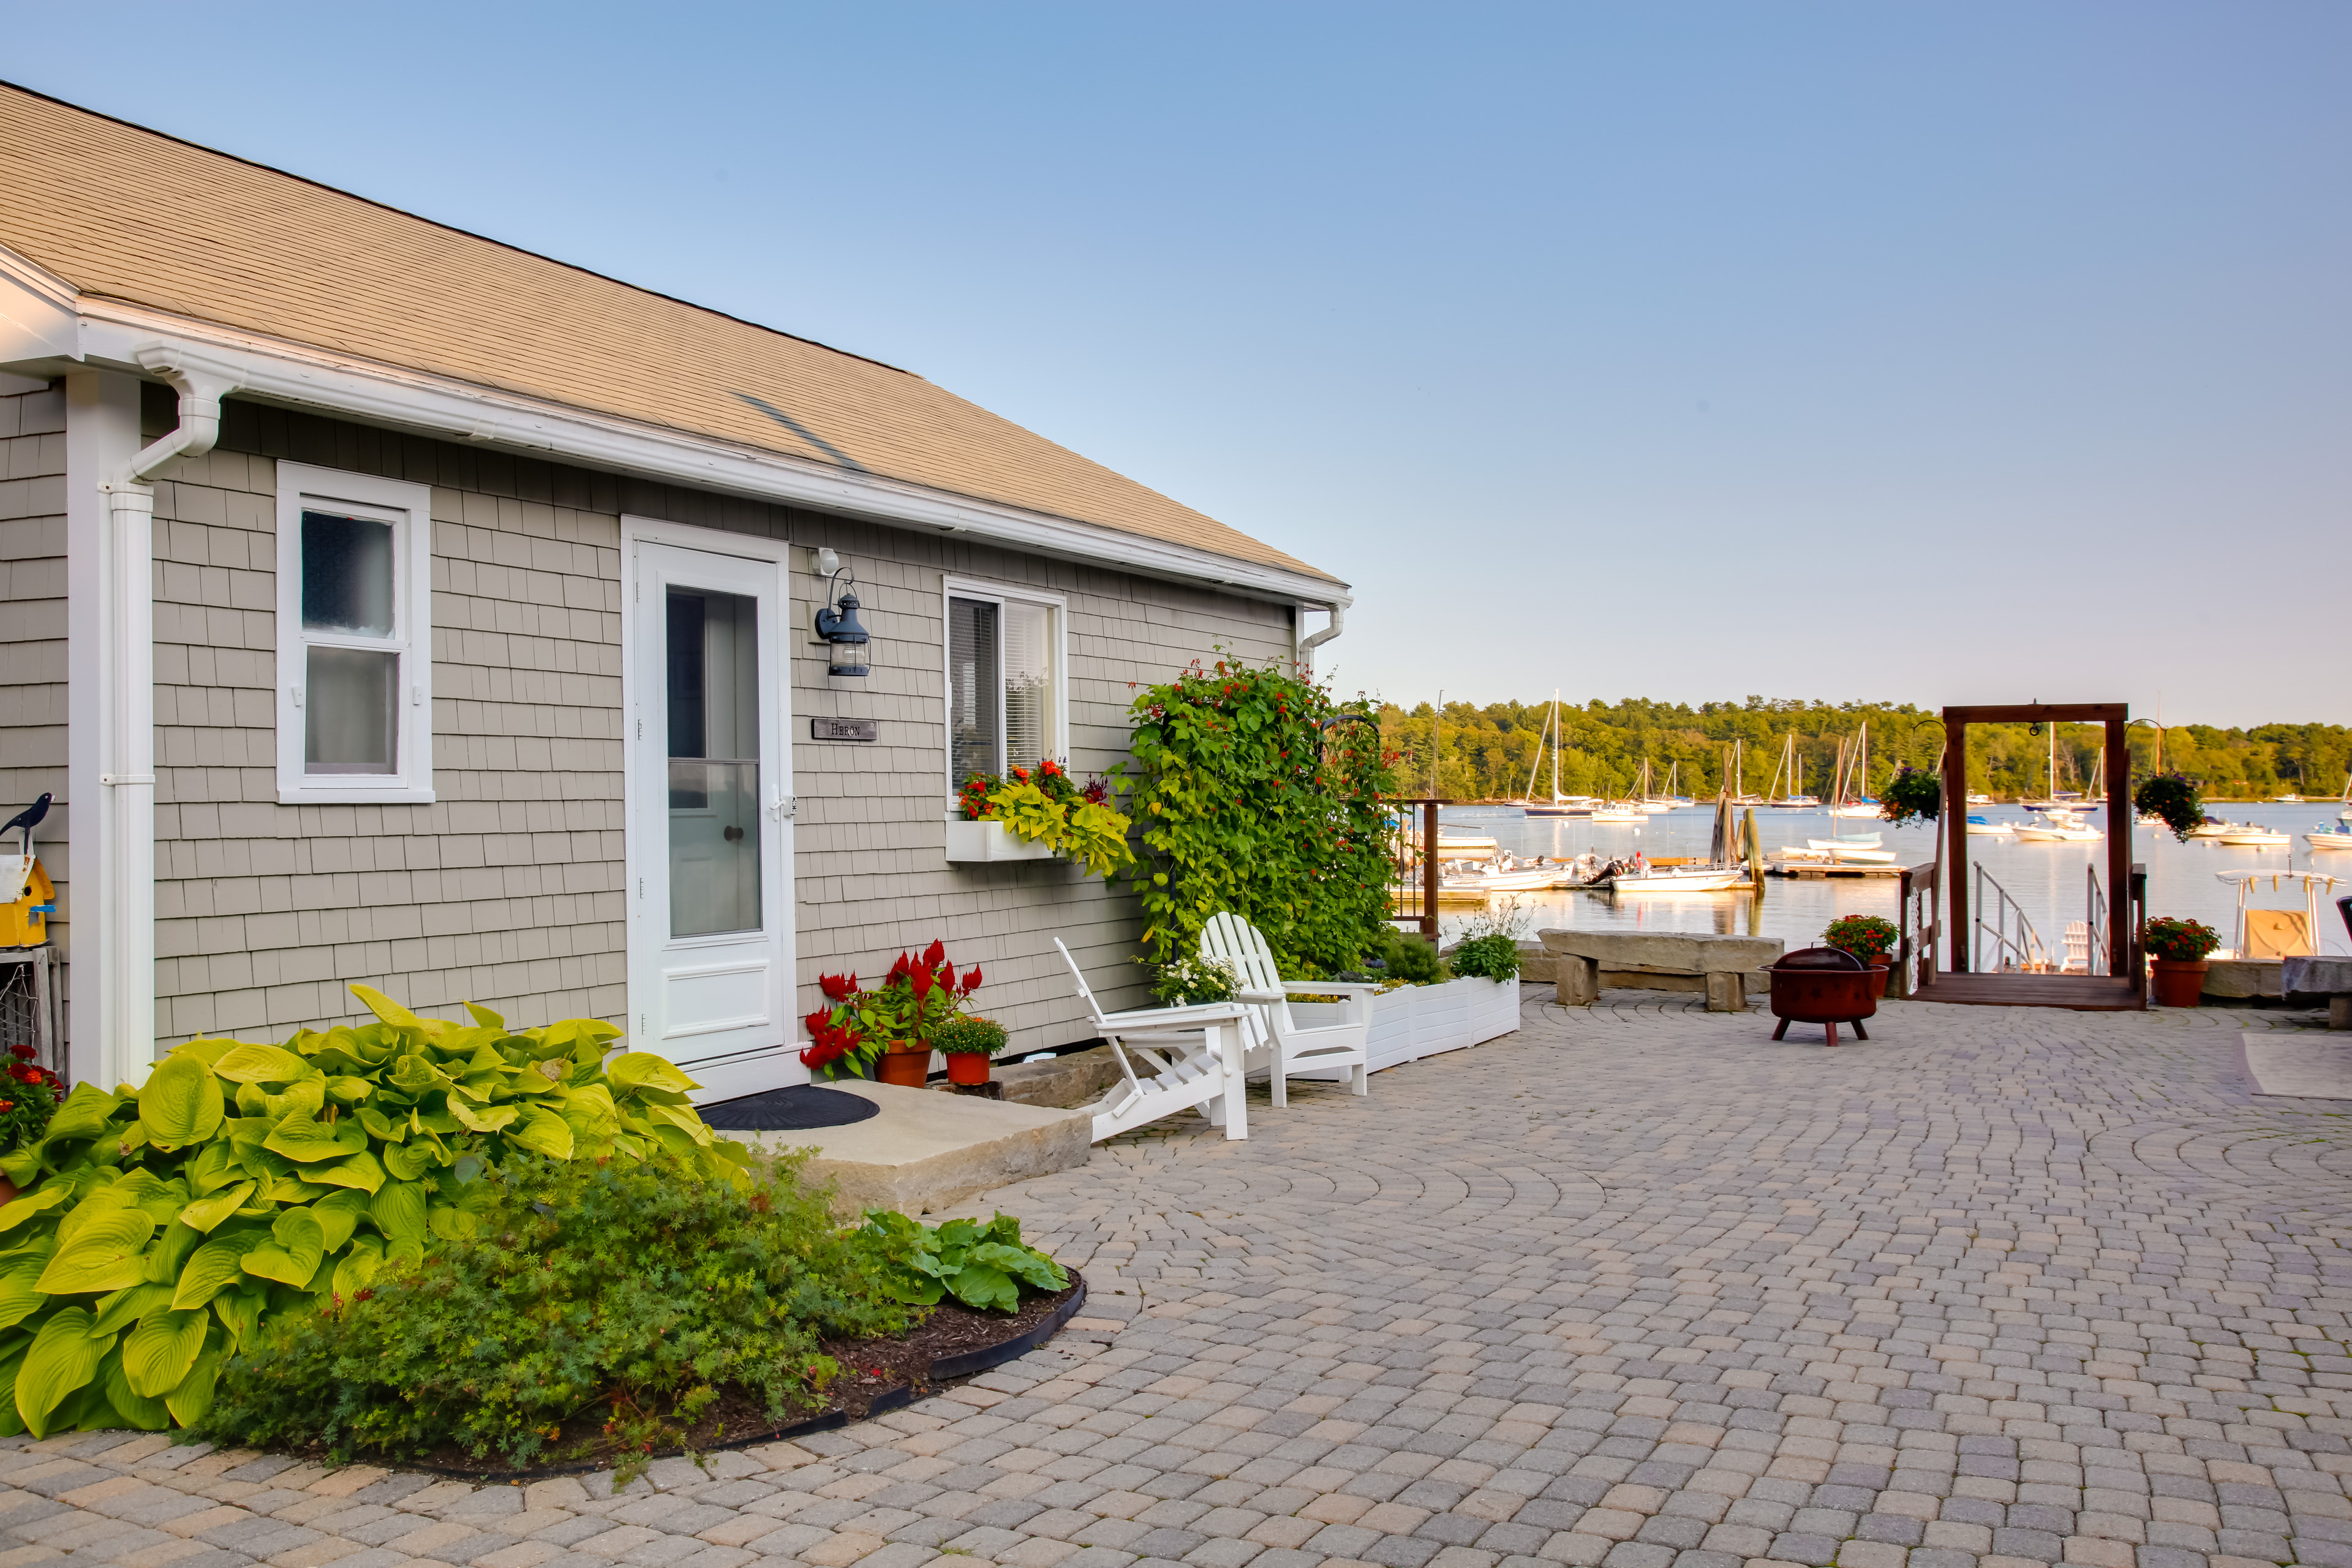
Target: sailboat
[
  {"x": 1859, "y": 848},
  {"x": 1734, "y": 768},
  {"x": 1862, "y": 805},
  {"x": 1721, "y": 873},
  {"x": 1558, "y": 804},
  {"x": 2060, "y": 822},
  {"x": 1792, "y": 767},
  {"x": 1654, "y": 803}
]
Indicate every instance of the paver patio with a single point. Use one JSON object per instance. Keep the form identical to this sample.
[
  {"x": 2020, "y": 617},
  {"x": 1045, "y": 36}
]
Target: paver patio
[{"x": 1633, "y": 1287}]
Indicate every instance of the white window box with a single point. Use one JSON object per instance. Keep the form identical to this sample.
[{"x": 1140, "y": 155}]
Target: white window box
[
  {"x": 1416, "y": 1021},
  {"x": 976, "y": 841}
]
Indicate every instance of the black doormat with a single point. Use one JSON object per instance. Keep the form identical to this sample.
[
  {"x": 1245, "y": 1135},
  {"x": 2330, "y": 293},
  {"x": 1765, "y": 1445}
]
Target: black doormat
[{"x": 802, "y": 1107}]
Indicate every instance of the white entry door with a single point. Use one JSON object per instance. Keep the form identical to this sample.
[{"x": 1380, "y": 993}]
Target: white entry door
[{"x": 711, "y": 959}]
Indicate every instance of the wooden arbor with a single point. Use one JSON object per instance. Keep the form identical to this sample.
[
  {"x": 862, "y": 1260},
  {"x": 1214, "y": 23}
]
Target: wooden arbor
[{"x": 2122, "y": 987}]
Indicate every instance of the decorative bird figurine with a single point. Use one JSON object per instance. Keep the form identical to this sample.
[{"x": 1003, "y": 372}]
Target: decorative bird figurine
[{"x": 27, "y": 819}]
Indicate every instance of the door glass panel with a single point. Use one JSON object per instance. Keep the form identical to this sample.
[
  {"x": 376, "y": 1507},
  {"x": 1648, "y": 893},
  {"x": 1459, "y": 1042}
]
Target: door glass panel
[
  {"x": 712, "y": 642},
  {"x": 346, "y": 575},
  {"x": 1028, "y": 684},
  {"x": 349, "y": 717},
  {"x": 975, "y": 688}
]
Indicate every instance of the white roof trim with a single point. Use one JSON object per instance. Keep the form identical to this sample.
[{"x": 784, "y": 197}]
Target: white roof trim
[{"x": 278, "y": 371}]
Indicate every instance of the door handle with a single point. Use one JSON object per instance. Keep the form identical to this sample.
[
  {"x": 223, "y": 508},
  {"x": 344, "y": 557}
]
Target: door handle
[{"x": 784, "y": 807}]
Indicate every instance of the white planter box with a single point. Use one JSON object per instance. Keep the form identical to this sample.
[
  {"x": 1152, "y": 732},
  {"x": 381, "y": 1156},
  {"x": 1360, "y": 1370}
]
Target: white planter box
[
  {"x": 992, "y": 841},
  {"x": 1416, "y": 1021}
]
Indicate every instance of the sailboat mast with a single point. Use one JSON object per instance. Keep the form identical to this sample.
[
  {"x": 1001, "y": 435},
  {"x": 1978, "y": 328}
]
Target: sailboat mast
[{"x": 1555, "y": 745}]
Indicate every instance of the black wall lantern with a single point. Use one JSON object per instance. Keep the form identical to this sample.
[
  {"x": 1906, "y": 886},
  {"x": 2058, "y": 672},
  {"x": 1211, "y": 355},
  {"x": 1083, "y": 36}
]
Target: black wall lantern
[{"x": 836, "y": 619}]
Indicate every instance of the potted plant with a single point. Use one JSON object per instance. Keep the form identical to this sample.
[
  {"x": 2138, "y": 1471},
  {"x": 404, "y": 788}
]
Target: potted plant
[
  {"x": 1030, "y": 813},
  {"x": 1913, "y": 792},
  {"x": 28, "y": 1098},
  {"x": 969, "y": 1044},
  {"x": 1870, "y": 938},
  {"x": 2173, "y": 800},
  {"x": 2179, "y": 949},
  {"x": 888, "y": 1029}
]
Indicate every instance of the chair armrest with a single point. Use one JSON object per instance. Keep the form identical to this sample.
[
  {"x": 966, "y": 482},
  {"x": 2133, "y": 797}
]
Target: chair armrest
[
  {"x": 1330, "y": 988},
  {"x": 1144, "y": 1018}
]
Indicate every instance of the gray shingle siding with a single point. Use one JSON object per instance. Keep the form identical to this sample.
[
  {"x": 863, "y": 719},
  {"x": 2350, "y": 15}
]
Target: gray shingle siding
[{"x": 509, "y": 889}]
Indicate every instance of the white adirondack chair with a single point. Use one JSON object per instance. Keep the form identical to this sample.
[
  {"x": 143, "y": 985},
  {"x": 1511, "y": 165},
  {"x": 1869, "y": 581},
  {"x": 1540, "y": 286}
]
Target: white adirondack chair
[
  {"x": 1193, "y": 1055},
  {"x": 1291, "y": 1048}
]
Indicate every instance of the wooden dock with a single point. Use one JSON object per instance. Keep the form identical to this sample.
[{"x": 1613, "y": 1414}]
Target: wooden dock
[{"x": 1806, "y": 869}]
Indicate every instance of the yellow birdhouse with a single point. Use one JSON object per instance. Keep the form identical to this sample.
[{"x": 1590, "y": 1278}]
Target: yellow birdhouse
[{"x": 24, "y": 919}]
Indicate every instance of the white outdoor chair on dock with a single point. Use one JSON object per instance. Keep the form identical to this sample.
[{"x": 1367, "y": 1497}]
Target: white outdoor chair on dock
[
  {"x": 1193, "y": 1055},
  {"x": 1293, "y": 1049}
]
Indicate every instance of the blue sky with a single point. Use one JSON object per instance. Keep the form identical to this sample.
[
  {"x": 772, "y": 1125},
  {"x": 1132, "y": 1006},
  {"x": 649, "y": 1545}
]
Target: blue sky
[{"x": 1932, "y": 352}]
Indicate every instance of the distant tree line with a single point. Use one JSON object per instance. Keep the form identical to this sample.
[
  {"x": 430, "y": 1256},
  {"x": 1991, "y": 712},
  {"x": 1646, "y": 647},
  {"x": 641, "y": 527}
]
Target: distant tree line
[{"x": 1470, "y": 753}]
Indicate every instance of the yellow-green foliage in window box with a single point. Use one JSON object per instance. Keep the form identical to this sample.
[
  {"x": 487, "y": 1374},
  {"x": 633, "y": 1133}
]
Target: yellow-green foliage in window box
[{"x": 158, "y": 1228}]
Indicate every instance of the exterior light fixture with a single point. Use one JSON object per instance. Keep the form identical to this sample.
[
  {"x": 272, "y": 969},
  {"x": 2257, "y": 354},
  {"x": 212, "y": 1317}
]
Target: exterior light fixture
[{"x": 838, "y": 623}]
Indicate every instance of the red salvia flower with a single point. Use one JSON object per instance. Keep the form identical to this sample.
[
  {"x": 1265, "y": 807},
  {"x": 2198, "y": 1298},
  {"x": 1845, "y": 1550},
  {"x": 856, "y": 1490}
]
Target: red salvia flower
[
  {"x": 972, "y": 980},
  {"x": 933, "y": 954}
]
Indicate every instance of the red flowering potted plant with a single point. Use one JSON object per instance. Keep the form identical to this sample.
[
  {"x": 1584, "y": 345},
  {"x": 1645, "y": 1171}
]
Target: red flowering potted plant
[
  {"x": 887, "y": 1030},
  {"x": 28, "y": 1098},
  {"x": 1870, "y": 938},
  {"x": 2179, "y": 949}
]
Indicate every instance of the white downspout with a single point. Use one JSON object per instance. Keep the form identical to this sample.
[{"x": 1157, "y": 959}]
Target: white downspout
[
  {"x": 1307, "y": 645},
  {"x": 126, "y": 683}
]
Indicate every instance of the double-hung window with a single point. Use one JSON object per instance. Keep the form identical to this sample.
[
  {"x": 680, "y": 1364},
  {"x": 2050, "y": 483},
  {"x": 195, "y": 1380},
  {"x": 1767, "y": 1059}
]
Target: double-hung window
[
  {"x": 1007, "y": 690},
  {"x": 354, "y": 637}
]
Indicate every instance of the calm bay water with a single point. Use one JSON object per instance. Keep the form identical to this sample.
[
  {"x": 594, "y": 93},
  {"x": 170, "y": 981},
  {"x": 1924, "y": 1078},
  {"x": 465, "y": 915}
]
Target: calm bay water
[{"x": 2047, "y": 879}]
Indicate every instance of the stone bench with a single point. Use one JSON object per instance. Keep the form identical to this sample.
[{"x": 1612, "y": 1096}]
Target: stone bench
[
  {"x": 2328, "y": 978},
  {"x": 1725, "y": 967}
]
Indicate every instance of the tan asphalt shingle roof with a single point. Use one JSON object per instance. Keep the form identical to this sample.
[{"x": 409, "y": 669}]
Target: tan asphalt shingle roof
[{"x": 128, "y": 214}]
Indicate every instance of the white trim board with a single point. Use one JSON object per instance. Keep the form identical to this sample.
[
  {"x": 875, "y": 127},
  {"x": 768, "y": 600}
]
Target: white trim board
[
  {"x": 299, "y": 375},
  {"x": 954, "y": 587}
]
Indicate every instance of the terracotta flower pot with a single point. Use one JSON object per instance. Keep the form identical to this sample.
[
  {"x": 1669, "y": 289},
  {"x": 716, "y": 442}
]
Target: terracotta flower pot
[
  {"x": 968, "y": 1067},
  {"x": 2179, "y": 983},
  {"x": 907, "y": 1064}
]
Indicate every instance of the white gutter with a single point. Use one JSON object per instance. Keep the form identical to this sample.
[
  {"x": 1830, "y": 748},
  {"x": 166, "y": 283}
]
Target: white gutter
[
  {"x": 299, "y": 375},
  {"x": 126, "y": 716},
  {"x": 1307, "y": 645}
]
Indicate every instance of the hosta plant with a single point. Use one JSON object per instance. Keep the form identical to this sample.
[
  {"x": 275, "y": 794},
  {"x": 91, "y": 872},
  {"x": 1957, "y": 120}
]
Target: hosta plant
[
  {"x": 159, "y": 1228},
  {"x": 982, "y": 1266}
]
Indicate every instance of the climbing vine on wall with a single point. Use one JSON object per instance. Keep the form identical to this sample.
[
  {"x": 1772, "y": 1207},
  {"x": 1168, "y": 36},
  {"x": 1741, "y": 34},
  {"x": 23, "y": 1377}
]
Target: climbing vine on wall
[{"x": 1256, "y": 793}]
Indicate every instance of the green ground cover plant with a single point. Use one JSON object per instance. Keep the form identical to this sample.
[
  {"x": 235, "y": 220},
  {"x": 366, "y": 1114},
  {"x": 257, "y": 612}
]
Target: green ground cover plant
[
  {"x": 637, "y": 1289},
  {"x": 1407, "y": 957},
  {"x": 982, "y": 1265},
  {"x": 1075, "y": 821},
  {"x": 158, "y": 1232},
  {"x": 1259, "y": 793}
]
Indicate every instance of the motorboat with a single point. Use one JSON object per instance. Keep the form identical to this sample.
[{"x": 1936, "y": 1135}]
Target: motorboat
[
  {"x": 1979, "y": 828},
  {"x": 1831, "y": 852},
  {"x": 2059, "y": 826},
  {"x": 1861, "y": 808},
  {"x": 1678, "y": 879},
  {"x": 2290, "y": 798},
  {"x": 2214, "y": 827},
  {"x": 2324, "y": 840},
  {"x": 1795, "y": 803},
  {"x": 2256, "y": 838},
  {"x": 1978, "y": 799},
  {"x": 1504, "y": 874},
  {"x": 1854, "y": 841},
  {"x": 1619, "y": 811}
]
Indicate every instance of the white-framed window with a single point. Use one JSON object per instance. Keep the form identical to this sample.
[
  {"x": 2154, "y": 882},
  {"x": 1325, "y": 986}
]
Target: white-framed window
[
  {"x": 354, "y": 637},
  {"x": 1008, "y": 683}
]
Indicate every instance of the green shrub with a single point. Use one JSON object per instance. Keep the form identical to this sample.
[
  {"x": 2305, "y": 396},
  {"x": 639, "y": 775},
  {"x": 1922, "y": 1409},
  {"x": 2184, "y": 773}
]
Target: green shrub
[
  {"x": 982, "y": 1266},
  {"x": 159, "y": 1230},
  {"x": 1407, "y": 957},
  {"x": 644, "y": 1286},
  {"x": 1493, "y": 957},
  {"x": 1257, "y": 794}
]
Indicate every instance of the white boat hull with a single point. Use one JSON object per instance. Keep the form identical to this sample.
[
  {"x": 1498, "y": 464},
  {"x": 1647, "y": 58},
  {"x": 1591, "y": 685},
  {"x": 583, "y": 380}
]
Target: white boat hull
[
  {"x": 1859, "y": 841},
  {"x": 1676, "y": 880},
  {"x": 2328, "y": 841},
  {"x": 1619, "y": 816},
  {"x": 2059, "y": 835},
  {"x": 1991, "y": 829},
  {"x": 1849, "y": 855},
  {"x": 1856, "y": 811},
  {"x": 2259, "y": 840}
]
